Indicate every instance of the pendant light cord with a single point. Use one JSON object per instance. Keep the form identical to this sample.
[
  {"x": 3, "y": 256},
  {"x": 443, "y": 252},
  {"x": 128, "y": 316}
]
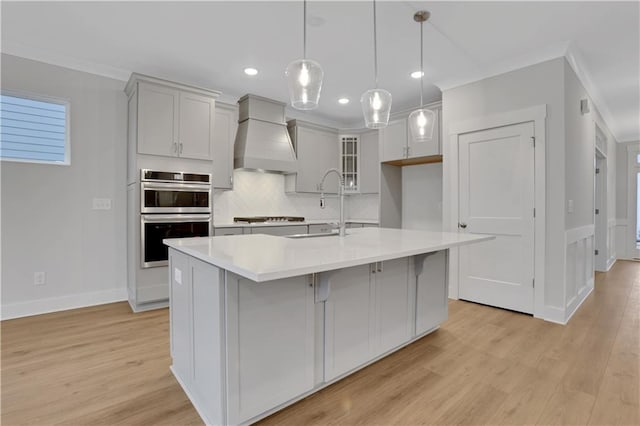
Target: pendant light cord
[
  {"x": 375, "y": 44},
  {"x": 304, "y": 30},
  {"x": 421, "y": 65}
]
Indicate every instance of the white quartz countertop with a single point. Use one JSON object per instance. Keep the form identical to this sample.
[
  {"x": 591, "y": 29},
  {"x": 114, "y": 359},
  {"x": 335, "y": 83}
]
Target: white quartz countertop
[
  {"x": 266, "y": 257},
  {"x": 303, "y": 223}
]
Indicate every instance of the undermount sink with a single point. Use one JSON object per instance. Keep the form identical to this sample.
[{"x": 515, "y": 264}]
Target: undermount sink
[{"x": 319, "y": 234}]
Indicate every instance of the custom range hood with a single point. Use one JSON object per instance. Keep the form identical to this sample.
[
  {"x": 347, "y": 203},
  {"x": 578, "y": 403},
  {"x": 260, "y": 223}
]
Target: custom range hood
[{"x": 262, "y": 141}]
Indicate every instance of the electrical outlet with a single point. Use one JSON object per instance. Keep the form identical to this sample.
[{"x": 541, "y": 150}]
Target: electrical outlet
[
  {"x": 102, "y": 204},
  {"x": 39, "y": 278},
  {"x": 570, "y": 206}
]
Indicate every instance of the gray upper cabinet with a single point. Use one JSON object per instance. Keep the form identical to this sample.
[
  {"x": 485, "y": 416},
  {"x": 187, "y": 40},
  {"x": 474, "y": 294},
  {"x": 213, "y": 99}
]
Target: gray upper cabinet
[
  {"x": 396, "y": 142},
  {"x": 173, "y": 120},
  {"x": 317, "y": 151},
  {"x": 393, "y": 141},
  {"x": 224, "y": 135}
]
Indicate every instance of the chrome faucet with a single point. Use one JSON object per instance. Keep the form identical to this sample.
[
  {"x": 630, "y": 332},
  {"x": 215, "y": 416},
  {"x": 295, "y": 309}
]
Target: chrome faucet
[{"x": 341, "y": 224}]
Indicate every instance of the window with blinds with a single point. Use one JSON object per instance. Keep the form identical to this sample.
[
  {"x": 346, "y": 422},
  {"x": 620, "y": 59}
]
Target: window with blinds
[{"x": 34, "y": 130}]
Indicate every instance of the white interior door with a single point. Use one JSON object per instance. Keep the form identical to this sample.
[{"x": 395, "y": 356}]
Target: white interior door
[
  {"x": 601, "y": 250},
  {"x": 496, "y": 178}
]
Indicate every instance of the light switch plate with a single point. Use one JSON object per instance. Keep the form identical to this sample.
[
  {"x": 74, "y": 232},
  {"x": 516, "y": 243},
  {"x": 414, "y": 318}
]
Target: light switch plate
[
  {"x": 570, "y": 206},
  {"x": 177, "y": 275},
  {"x": 102, "y": 204}
]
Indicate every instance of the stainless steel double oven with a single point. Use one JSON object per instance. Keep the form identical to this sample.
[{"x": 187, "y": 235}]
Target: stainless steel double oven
[{"x": 172, "y": 205}]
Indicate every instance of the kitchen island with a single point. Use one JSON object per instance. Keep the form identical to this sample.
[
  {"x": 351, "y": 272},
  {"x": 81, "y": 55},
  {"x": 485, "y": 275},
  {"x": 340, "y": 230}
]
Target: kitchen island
[{"x": 259, "y": 321}]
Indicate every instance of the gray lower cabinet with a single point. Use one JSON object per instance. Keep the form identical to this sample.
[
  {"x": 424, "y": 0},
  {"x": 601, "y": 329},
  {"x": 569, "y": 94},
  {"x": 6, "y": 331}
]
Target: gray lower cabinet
[
  {"x": 228, "y": 231},
  {"x": 368, "y": 312},
  {"x": 280, "y": 230},
  {"x": 270, "y": 344},
  {"x": 321, "y": 228},
  {"x": 431, "y": 295}
]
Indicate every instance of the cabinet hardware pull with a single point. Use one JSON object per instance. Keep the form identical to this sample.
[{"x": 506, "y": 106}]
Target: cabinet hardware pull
[
  {"x": 380, "y": 267},
  {"x": 180, "y": 148},
  {"x": 462, "y": 225}
]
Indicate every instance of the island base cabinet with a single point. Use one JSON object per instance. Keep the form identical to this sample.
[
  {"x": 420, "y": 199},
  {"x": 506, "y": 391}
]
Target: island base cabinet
[
  {"x": 270, "y": 344},
  {"x": 349, "y": 327},
  {"x": 369, "y": 311},
  {"x": 432, "y": 290},
  {"x": 394, "y": 296},
  {"x": 196, "y": 331}
]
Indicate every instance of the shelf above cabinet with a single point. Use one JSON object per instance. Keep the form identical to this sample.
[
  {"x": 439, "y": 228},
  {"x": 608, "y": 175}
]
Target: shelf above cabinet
[{"x": 428, "y": 159}]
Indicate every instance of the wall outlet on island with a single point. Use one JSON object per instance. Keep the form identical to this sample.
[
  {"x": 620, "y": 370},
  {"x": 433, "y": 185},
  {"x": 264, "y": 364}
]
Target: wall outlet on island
[{"x": 39, "y": 278}]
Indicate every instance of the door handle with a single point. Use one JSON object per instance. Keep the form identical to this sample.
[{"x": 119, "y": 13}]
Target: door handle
[{"x": 462, "y": 225}]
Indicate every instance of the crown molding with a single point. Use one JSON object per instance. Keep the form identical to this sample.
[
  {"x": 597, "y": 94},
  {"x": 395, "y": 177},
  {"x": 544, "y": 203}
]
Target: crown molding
[{"x": 53, "y": 58}]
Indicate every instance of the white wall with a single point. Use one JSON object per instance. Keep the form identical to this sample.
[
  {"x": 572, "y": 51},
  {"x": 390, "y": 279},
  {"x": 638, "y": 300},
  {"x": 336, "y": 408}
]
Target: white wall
[
  {"x": 47, "y": 221},
  {"x": 535, "y": 85},
  {"x": 262, "y": 194},
  {"x": 422, "y": 197}
]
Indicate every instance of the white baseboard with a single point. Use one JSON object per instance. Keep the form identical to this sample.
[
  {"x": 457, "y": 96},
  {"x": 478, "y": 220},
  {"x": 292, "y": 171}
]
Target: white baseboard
[
  {"x": 611, "y": 262},
  {"x": 63, "y": 303},
  {"x": 582, "y": 298},
  {"x": 554, "y": 314}
]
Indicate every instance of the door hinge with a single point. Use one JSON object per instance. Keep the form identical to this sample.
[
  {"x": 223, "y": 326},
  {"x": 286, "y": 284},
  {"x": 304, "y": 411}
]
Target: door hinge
[
  {"x": 533, "y": 138},
  {"x": 596, "y": 252},
  {"x": 597, "y": 211},
  {"x": 597, "y": 170}
]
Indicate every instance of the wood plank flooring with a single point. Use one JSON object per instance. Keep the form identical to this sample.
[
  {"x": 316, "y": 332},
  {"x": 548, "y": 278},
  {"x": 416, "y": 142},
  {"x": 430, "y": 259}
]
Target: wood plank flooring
[{"x": 106, "y": 366}]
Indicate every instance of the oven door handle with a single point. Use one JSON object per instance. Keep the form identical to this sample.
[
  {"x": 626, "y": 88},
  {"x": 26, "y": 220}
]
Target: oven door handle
[
  {"x": 177, "y": 186},
  {"x": 151, "y": 218}
]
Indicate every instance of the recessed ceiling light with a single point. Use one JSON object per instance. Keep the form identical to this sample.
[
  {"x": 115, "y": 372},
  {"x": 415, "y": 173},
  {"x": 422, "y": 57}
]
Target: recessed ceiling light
[
  {"x": 343, "y": 101},
  {"x": 250, "y": 71},
  {"x": 417, "y": 74}
]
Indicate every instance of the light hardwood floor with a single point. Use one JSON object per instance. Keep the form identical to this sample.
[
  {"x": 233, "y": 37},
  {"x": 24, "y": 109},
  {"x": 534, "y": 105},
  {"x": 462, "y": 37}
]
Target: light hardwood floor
[{"x": 105, "y": 365}]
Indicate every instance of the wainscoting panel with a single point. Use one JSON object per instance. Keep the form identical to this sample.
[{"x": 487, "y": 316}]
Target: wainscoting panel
[
  {"x": 579, "y": 272},
  {"x": 622, "y": 239}
]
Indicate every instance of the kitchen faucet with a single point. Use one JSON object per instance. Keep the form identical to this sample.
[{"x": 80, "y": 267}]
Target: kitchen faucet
[{"x": 341, "y": 224}]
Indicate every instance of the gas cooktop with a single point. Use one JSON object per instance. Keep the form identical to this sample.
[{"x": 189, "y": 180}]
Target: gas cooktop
[{"x": 263, "y": 219}]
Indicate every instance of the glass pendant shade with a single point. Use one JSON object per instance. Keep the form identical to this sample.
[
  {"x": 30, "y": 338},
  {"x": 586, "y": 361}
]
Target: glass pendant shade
[
  {"x": 421, "y": 124},
  {"x": 376, "y": 106},
  {"x": 304, "y": 78}
]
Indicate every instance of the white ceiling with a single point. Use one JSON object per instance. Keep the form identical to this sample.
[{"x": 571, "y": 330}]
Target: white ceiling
[{"x": 209, "y": 43}]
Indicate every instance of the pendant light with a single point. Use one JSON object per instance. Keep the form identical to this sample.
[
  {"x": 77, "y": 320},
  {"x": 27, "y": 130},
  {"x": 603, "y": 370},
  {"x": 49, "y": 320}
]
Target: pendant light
[
  {"x": 376, "y": 103},
  {"x": 421, "y": 120},
  {"x": 304, "y": 76}
]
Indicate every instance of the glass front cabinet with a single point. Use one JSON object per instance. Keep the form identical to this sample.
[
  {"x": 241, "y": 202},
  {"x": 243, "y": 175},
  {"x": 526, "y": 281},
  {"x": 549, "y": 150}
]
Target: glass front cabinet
[{"x": 350, "y": 162}]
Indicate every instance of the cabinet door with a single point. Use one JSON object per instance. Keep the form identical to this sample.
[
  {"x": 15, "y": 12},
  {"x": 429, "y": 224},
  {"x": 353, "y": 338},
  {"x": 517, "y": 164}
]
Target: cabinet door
[
  {"x": 180, "y": 315},
  {"x": 270, "y": 344},
  {"x": 369, "y": 163},
  {"x": 393, "y": 141},
  {"x": 394, "y": 298},
  {"x": 157, "y": 120},
  {"x": 432, "y": 292},
  {"x": 317, "y": 151},
  {"x": 431, "y": 147},
  {"x": 224, "y": 134},
  {"x": 348, "y": 321},
  {"x": 197, "y": 117}
]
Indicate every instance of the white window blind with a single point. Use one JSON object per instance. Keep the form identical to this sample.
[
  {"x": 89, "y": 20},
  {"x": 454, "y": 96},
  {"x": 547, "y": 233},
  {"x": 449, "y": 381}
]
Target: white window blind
[{"x": 34, "y": 130}]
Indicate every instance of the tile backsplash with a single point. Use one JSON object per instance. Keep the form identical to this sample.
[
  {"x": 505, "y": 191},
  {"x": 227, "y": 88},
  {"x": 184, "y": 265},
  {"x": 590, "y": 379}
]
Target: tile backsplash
[{"x": 262, "y": 194}]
